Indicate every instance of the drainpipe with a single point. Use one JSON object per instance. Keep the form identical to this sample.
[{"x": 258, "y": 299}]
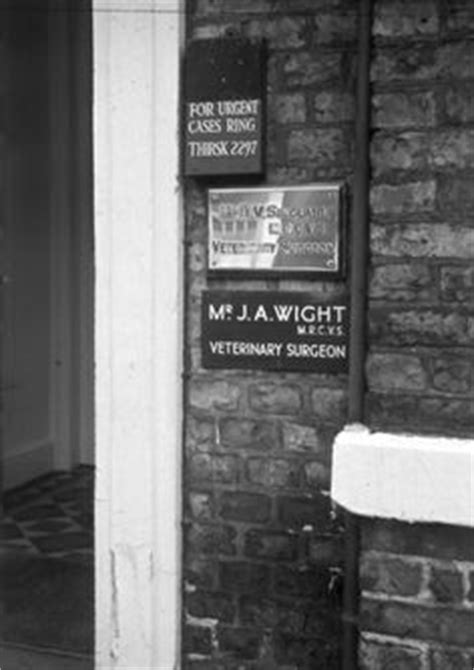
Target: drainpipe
[{"x": 358, "y": 304}]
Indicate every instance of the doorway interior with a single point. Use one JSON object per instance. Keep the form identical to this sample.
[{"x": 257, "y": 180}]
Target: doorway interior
[{"x": 47, "y": 452}]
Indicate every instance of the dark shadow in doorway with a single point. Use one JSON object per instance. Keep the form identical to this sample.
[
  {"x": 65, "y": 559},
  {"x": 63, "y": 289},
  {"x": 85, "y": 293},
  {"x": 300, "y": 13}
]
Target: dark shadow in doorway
[{"x": 46, "y": 563}]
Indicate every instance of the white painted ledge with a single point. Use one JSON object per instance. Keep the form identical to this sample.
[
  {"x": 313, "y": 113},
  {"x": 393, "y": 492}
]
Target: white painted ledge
[{"x": 411, "y": 478}]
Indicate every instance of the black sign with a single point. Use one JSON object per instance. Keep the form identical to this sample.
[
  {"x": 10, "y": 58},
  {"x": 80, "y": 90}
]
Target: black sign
[
  {"x": 274, "y": 331},
  {"x": 224, "y": 85}
]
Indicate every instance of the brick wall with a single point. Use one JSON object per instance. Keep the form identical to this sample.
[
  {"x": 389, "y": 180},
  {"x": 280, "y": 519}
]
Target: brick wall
[
  {"x": 262, "y": 547},
  {"x": 417, "y": 608},
  {"x": 420, "y": 364}
]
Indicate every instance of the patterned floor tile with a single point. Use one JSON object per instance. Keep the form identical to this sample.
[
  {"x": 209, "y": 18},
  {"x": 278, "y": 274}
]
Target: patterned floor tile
[{"x": 51, "y": 516}]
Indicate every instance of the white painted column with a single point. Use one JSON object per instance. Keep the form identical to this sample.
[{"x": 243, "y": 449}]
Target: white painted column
[{"x": 138, "y": 235}]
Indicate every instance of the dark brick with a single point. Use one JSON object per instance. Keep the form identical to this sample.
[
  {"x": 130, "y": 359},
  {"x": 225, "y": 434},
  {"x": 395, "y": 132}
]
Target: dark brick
[
  {"x": 317, "y": 475},
  {"x": 403, "y": 151},
  {"x": 228, "y": 25},
  {"x": 271, "y": 545},
  {"x": 335, "y": 27},
  {"x": 402, "y": 281},
  {"x": 244, "y": 577},
  {"x": 320, "y": 146},
  {"x": 326, "y": 550},
  {"x": 393, "y": 371},
  {"x": 446, "y": 585},
  {"x": 211, "y": 539},
  {"x": 312, "y": 510},
  {"x": 197, "y": 640},
  {"x": 241, "y": 506},
  {"x": 240, "y": 642},
  {"x": 438, "y": 541},
  {"x": 373, "y": 656},
  {"x": 443, "y": 625},
  {"x": 299, "y": 438},
  {"x": 470, "y": 595},
  {"x": 457, "y": 283},
  {"x": 288, "y": 108},
  {"x": 214, "y": 468},
  {"x": 238, "y": 433},
  {"x": 288, "y": 174},
  {"x": 404, "y": 109},
  {"x": 211, "y": 604},
  {"x": 444, "y": 659},
  {"x": 275, "y": 399},
  {"x": 304, "y": 69},
  {"x": 459, "y": 105},
  {"x": 460, "y": 16},
  {"x": 200, "y": 434},
  {"x": 422, "y": 240},
  {"x": 284, "y": 32},
  {"x": 209, "y": 7},
  {"x": 329, "y": 404},
  {"x": 200, "y": 571},
  {"x": 209, "y": 394},
  {"x": 451, "y": 60},
  {"x": 310, "y": 581},
  {"x": 272, "y": 473},
  {"x": 301, "y": 652},
  {"x": 452, "y": 416},
  {"x": 201, "y": 664},
  {"x": 404, "y": 327},
  {"x": 408, "y": 198},
  {"x": 333, "y": 107},
  {"x": 397, "y": 19},
  {"x": 453, "y": 148},
  {"x": 393, "y": 576},
  {"x": 452, "y": 375},
  {"x": 455, "y": 195},
  {"x": 275, "y": 614},
  {"x": 200, "y": 505}
]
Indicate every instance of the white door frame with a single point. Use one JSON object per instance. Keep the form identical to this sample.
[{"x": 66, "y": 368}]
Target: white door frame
[{"x": 138, "y": 332}]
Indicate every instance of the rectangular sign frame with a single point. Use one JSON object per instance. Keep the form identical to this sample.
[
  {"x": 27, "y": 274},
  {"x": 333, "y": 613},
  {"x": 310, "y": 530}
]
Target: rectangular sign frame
[
  {"x": 224, "y": 107},
  {"x": 274, "y": 330},
  {"x": 277, "y": 231}
]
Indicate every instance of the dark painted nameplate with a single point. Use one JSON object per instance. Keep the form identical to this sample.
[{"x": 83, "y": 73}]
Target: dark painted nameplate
[
  {"x": 274, "y": 330},
  {"x": 276, "y": 230},
  {"x": 223, "y": 115}
]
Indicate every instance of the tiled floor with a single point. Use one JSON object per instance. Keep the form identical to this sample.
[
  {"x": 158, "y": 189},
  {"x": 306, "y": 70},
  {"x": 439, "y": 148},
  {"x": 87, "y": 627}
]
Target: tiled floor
[{"x": 51, "y": 516}]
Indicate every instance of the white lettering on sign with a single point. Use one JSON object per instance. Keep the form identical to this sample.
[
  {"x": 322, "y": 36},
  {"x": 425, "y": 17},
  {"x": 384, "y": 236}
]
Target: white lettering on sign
[
  {"x": 235, "y": 248},
  {"x": 201, "y": 109},
  {"x": 239, "y": 125},
  {"x": 196, "y": 126},
  {"x": 237, "y": 107},
  {"x": 207, "y": 149},
  {"x": 240, "y": 148},
  {"x": 308, "y": 314},
  {"x": 292, "y": 349},
  {"x": 220, "y": 313},
  {"x": 236, "y": 348},
  {"x": 316, "y": 350},
  {"x": 310, "y": 247}
]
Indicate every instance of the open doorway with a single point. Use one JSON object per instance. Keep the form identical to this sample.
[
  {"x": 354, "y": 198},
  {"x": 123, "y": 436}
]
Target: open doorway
[{"x": 47, "y": 454}]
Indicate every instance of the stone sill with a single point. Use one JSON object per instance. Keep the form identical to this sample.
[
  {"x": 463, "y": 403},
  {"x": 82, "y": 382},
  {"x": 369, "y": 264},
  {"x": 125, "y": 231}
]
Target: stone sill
[{"x": 410, "y": 478}]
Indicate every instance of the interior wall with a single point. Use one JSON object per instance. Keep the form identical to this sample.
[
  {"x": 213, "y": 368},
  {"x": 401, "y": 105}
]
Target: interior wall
[
  {"x": 48, "y": 299},
  {"x": 28, "y": 304}
]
